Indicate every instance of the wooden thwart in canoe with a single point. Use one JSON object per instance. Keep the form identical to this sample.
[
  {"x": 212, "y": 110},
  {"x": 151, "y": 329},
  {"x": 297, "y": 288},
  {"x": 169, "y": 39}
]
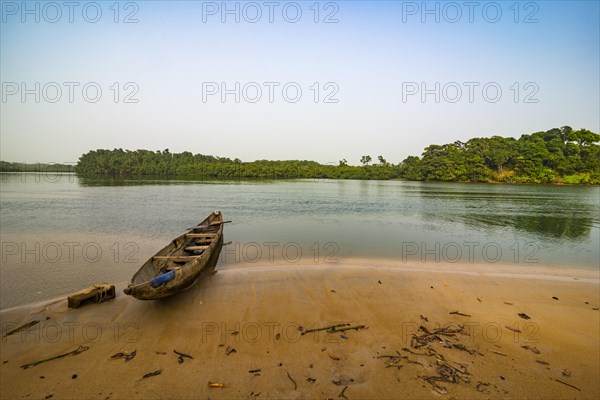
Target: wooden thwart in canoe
[
  {"x": 181, "y": 262},
  {"x": 196, "y": 248},
  {"x": 174, "y": 258}
]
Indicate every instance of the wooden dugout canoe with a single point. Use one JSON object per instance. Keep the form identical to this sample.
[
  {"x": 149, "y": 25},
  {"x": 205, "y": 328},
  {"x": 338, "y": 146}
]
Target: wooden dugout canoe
[{"x": 180, "y": 263}]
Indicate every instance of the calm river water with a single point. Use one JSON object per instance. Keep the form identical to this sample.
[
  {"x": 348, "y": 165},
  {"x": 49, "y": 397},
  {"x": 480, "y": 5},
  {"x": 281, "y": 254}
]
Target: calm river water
[{"x": 62, "y": 233}]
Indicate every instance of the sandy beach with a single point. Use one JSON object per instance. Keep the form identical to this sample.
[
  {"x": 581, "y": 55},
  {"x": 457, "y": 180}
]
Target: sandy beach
[{"x": 402, "y": 331}]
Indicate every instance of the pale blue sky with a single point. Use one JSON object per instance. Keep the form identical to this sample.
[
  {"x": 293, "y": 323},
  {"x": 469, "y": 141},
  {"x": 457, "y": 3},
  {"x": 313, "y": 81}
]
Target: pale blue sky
[{"x": 373, "y": 52}]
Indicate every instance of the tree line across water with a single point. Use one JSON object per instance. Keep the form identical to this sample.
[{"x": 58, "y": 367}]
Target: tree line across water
[{"x": 560, "y": 155}]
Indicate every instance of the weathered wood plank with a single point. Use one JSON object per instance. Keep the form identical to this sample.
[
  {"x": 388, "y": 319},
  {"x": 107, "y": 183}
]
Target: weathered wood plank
[
  {"x": 193, "y": 248},
  {"x": 95, "y": 294},
  {"x": 199, "y": 235},
  {"x": 175, "y": 258}
]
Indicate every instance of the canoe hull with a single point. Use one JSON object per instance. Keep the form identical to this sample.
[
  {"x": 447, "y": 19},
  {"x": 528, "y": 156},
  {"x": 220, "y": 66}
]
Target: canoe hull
[{"x": 179, "y": 264}]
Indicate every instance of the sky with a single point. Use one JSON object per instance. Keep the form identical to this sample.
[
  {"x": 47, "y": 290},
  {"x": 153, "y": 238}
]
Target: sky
[{"x": 281, "y": 80}]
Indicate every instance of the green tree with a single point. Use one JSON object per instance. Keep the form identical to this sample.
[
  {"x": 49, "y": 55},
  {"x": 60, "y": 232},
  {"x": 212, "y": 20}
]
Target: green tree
[{"x": 410, "y": 169}]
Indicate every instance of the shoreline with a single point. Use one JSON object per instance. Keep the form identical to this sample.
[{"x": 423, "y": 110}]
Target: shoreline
[
  {"x": 512, "y": 271},
  {"x": 251, "y": 318},
  {"x": 588, "y": 275},
  {"x": 192, "y": 178}
]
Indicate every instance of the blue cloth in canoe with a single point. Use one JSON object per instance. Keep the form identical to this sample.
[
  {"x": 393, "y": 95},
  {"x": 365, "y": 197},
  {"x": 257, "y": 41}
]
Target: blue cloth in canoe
[{"x": 162, "y": 279}]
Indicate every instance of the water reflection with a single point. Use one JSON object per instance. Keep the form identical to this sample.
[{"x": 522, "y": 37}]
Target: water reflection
[
  {"x": 367, "y": 218},
  {"x": 545, "y": 211},
  {"x": 96, "y": 181}
]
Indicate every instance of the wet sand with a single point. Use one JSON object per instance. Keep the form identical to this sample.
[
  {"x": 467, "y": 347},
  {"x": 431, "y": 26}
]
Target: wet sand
[{"x": 251, "y": 318}]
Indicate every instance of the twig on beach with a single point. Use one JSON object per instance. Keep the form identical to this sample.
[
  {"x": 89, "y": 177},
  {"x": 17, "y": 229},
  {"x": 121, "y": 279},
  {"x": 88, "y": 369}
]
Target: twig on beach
[
  {"x": 568, "y": 384},
  {"x": 448, "y": 373},
  {"x": 391, "y": 356},
  {"x": 459, "y": 313},
  {"x": 153, "y": 373},
  {"x": 513, "y": 329},
  {"x": 293, "y": 381},
  {"x": 334, "y": 328},
  {"x": 181, "y": 356},
  {"x": 356, "y": 327},
  {"x": 130, "y": 357},
  {"x": 394, "y": 361},
  {"x": 448, "y": 331},
  {"x": 462, "y": 347},
  {"x": 123, "y": 354},
  {"x": 78, "y": 350},
  {"x": 497, "y": 352},
  {"x": 532, "y": 348},
  {"x": 439, "y": 389},
  {"x": 327, "y": 328},
  {"x": 421, "y": 341},
  {"x": 409, "y": 361},
  {"x": 342, "y": 393},
  {"x": 413, "y": 352},
  {"x": 418, "y": 341},
  {"x": 22, "y": 328}
]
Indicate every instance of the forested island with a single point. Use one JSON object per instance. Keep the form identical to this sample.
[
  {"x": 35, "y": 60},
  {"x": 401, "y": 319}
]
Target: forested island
[{"x": 559, "y": 155}]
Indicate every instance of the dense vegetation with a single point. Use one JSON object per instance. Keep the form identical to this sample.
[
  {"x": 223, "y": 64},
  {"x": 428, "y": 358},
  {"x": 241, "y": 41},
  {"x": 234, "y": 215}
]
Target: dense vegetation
[
  {"x": 120, "y": 162},
  {"x": 556, "y": 156},
  {"x": 39, "y": 167}
]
